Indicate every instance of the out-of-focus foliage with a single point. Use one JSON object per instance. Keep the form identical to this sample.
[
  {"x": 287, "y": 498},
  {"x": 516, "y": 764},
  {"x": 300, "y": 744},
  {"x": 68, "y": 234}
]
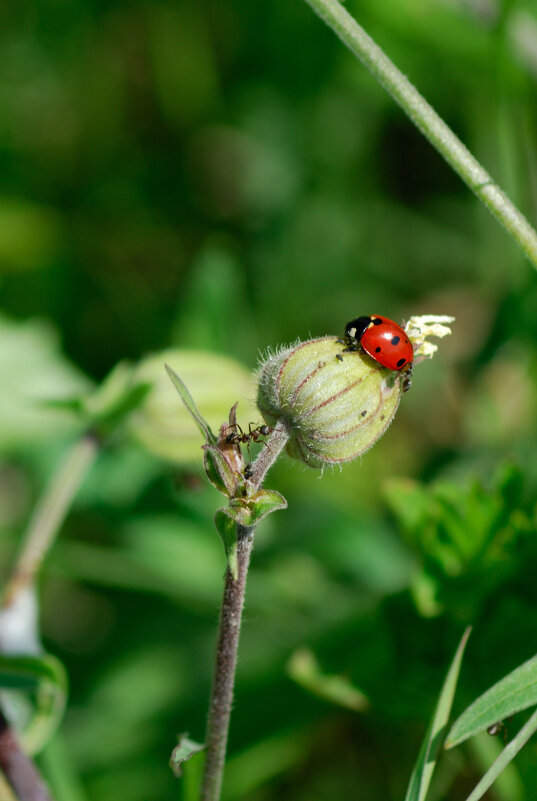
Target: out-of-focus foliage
[{"x": 225, "y": 177}]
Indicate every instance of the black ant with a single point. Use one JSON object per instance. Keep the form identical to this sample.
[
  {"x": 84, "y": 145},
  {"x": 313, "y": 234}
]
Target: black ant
[
  {"x": 498, "y": 728},
  {"x": 239, "y": 436}
]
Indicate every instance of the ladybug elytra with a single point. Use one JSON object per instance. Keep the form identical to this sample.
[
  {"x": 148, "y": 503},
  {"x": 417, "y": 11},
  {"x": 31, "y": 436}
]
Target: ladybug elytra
[{"x": 382, "y": 339}]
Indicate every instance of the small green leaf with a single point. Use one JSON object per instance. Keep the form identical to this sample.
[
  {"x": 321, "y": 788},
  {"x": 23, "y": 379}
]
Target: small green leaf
[
  {"x": 240, "y": 511},
  {"x": 188, "y": 400},
  {"x": 46, "y": 679},
  {"x": 183, "y": 752},
  {"x": 219, "y": 471},
  {"x": 263, "y": 503},
  {"x": 250, "y": 511},
  {"x": 305, "y": 670},
  {"x": 227, "y": 528},
  {"x": 513, "y": 693},
  {"x": 425, "y": 765}
]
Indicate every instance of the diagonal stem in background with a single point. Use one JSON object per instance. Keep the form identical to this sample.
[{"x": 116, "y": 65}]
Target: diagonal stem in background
[
  {"x": 49, "y": 514},
  {"x": 18, "y": 768},
  {"x": 429, "y": 123}
]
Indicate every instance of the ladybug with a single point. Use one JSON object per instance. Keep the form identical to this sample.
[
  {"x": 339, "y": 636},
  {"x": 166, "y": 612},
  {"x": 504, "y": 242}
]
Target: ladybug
[{"x": 382, "y": 339}]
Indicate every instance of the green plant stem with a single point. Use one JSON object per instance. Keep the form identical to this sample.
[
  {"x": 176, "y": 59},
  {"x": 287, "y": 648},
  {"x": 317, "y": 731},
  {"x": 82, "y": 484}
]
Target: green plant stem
[
  {"x": 429, "y": 123},
  {"x": 49, "y": 514},
  {"x": 229, "y": 632}
]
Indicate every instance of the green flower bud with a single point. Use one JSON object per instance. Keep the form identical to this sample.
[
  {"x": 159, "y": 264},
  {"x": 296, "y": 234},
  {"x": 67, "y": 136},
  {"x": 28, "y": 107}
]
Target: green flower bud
[
  {"x": 335, "y": 404},
  {"x": 164, "y": 426}
]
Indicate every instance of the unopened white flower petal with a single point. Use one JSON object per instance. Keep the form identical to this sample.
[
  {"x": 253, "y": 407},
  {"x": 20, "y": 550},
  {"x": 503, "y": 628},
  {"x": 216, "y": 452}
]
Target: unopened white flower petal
[
  {"x": 427, "y": 349},
  {"x": 420, "y": 327}
]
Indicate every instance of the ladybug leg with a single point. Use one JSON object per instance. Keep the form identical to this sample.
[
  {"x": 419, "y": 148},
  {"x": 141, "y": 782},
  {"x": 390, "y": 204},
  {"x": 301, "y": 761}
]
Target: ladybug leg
[
  {"x": 352, "y": 347},
  {"x": 407, "y": 380}
]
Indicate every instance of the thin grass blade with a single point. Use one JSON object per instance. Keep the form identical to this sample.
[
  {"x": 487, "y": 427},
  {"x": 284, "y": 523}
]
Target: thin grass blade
[
  {"x": 426, "y": 762},
  {"x": 508, "y": 753}
]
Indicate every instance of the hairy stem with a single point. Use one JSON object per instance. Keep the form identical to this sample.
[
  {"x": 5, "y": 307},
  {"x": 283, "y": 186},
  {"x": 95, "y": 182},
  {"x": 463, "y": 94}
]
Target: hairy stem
[
  {"x": 224, "y": 674},
  {"x": 49, "y": 515},
  {"x": 270, "y": 452},
  {"x": 229, "y": 631},
  {"x": 429, "y": 123}
]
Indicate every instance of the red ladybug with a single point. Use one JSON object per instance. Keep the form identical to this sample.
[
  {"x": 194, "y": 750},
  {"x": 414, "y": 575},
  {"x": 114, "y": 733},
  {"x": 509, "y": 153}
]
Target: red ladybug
[{"x": 382, "y": 339}]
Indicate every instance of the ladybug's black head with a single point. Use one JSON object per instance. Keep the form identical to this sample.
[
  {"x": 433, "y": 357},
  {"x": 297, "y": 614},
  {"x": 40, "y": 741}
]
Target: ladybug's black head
[{"x": 355, "y": 329}]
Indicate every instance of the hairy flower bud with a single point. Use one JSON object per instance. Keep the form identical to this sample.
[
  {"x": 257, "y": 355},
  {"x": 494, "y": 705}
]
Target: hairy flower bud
[{"x": 335, "y": 404}]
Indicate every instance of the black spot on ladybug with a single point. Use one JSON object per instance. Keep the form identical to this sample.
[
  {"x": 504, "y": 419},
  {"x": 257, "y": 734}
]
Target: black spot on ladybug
[
  {"x": 396, "y": 340},
  {"x": 400, "y": 363},
  {"x": 377, "y": 350},
  {"x": 377, "y": 321}
]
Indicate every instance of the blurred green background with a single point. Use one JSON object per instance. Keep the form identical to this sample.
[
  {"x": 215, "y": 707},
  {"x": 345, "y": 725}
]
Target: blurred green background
[{"x": 226, "y": 177}]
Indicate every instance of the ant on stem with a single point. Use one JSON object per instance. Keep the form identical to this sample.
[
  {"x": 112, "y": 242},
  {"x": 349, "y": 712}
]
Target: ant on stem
[{"x": 239, "y": 436}]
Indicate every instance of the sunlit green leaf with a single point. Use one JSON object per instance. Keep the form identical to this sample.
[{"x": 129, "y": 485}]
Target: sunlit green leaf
[{"x": 516, "y": 691}]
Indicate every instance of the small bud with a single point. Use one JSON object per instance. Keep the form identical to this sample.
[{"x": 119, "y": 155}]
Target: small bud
[
  {"x": 336, "y": 404},
  {"x": 164, "y": 426}
]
